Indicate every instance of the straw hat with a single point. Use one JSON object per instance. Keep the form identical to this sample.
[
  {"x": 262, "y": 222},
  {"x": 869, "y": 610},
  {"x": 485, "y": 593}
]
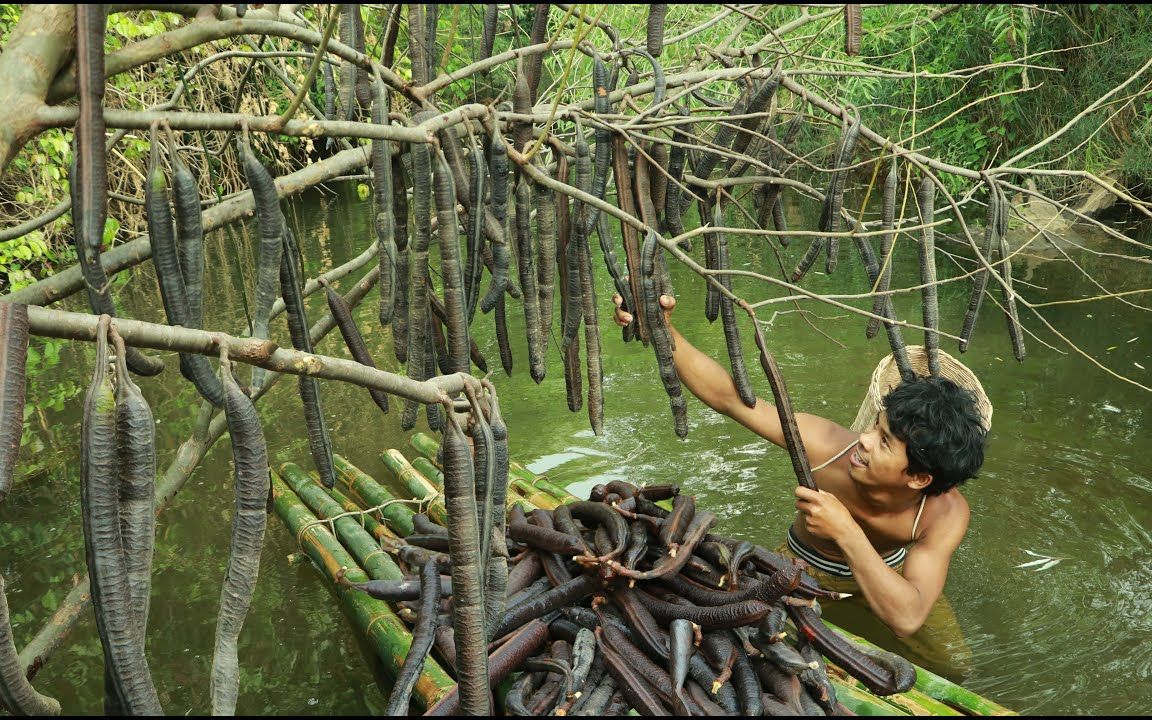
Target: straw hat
[{"x": 887, "y": 376}]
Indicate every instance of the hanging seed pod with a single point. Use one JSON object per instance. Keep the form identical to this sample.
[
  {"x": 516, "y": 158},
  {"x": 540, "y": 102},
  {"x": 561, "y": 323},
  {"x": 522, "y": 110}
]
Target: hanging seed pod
[
  {"x": 572, "y": 298},
  {"x": 419, "y": 324},
  {"x": 136, "y": 450},
  {"x": 342, "y": 314},
  {"x": 166, "y": 261},
  {"x": 749, "y": 127},
  {"x": 655, "y": 36},
  {"x": 502, "y": 337},
  {"x": 498, "y": 166},
  {"x": 626, "y": 199},
  {"x": 711, "y": 294},
  {"x": 403, "y": 272},
  {"x": 385, "y": 220},
  {"x": 484, "y": 463},
  {"x": 980, "y": 280},
  {"x": 130, "y": 678},
  {"x": 88, "y": 180},
  {"x": 546, "y": 247},
  {"x": 189, "y": 234},
  {"x": 271, "y": 225},
  {"x": 537, "y": 35},
  {"x": 783, "y": 400},
  {"x": 728, "y": 314},
  {"x": 474, "y": 265},
  {"x": 497, "y": 581},
  {"x": 291, "y": 286},
  {"x": 249, "y": 519},
  {"x": 591, "y": 336},
  {"x": 673, "y": 220},
  {"x": 451, "y": 269},
  {"x": 351, "y": 80},
  {"x": 524, "y": 256},
  {"x": 1015, "y": 331},
  {"x": 926, "y": 201},
  {"x": 888, "y": 220},
  {"x": 895, "y": 337},
  {"x": 603, "y": 137},
  {"x": 661, "y": 339},
  {"x": 468, "y": 618},
  {"x": 853, "y": 29},
  {"x": 423, "y": 634},
  {"x": 491, "y": 15}
]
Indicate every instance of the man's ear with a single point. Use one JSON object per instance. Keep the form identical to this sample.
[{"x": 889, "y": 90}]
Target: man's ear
[{"x": 919, "y": 481}]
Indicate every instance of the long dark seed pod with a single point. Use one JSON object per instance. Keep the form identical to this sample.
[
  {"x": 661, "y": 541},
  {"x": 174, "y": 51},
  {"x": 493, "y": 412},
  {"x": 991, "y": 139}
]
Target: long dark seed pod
[
  {"x": 189, "y": 234},
  {"x": 709, "y": 618},
  {"x": 489, "y": 37},
  {"x": 756, "y": 109},
  {"x": 16, "y": 693},
  {"x": 329, "y": 96},
  {"x": 271, "y": 225},
  {"x": 603, "y": 136},
  {"x": 349, "y": 25},
  {"x": 400, "y": 314},
  {"x": 292, "y": 289},
  {"x": 728, "y": 316},
  {"x": 250, "y": 456},
  {"x": 507, "y": 657},
  {"x": 882, "y": 672},
  {"x": 515, "y": 700},
  {"x": 103, "y": 544},
  {"x": 525, "y": 256},
  {"x": 1015, "y": 331},
  {"x": 635, "y": 688},
  {"x": 165, "y": 260},
  {"x": 853, "y": 28},
  {"x": 13, "y": 354},
  {"x": 661, "y": 339},
  {"x": 537, "y": 35},
  {"x": 680, "y": 650},
  {"x": 89, "y": 178},
  {"x": 887, "y": 220},
  {"x": 672, "y": 529},
  {"x": 546, "y": 246},
  {"x": 612, "y": 263},
  {"x": 419, "y": 325},
  {"x": 397, "y": 590},
  {"x": 502, "y": 337},
  {"x": 659, "y": 178},
  {"x": 498, "y": 167},
  {"x": 573, "y": 298},
  {"x": 474, "y": 264},
  {"x": 816, "y": 680},
  {"x": 596, "y": 702},
  {"x": 655, "y": 35},
  {"x": 673, "y": 221},
  {"x": 342, "y": 314},
  {"x": 980, "y": 280},
  {"x": 560, "y": 596},
  {"x": 467, "y": 582},
  {"x": 546, "y": 539},
  {"x": 383, "y": 214},
  {"x": 632, "y": 245},
  {"x": 673, "y": 562},
  {"x": 834, "y": 200},
  {"x": 422, "y": 636},
  {"x": 522, "y": 105},
  {"x": 926, "y": 201},
  {"x": 136, "y": 446},
  {"x": 451, "y": 269},
  {"x": 895, "y": 337},
  {"x": 591, "y": 335},
  {"x": 792, "y": 437}
]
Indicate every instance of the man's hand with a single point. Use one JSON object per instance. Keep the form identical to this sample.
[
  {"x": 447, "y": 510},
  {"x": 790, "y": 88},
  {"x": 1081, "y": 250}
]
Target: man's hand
[
  {"x": 824, "y": 515},
  {"x": 624, "y": 318}
]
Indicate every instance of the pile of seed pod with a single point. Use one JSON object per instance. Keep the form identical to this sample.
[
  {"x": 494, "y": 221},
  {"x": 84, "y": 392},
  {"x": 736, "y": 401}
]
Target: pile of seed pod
[{"x": 616, "y": 603}]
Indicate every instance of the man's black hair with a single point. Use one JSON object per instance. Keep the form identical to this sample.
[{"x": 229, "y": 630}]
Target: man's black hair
[{"x": 939, "y": 423}]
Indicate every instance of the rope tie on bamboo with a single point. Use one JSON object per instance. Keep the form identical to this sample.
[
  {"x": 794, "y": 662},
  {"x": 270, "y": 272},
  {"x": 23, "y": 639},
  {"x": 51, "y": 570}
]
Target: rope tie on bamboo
[{"x": 331, "y": 522}]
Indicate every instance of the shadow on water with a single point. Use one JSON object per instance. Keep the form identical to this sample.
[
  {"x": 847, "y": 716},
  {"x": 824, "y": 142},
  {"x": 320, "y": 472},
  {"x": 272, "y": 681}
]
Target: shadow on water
[{"x": 1066, "y": 476}]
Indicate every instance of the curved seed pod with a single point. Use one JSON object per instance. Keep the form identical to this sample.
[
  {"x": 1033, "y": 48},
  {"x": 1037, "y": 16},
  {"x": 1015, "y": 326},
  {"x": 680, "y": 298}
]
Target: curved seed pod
[
  {"x": 888, "y": 220},
  {"x": 639, "y": 693},
  {"x": 779, "y": 221},
  {"x": 595, "y": 703},
  {"x": 546, "y": 258},
  {"x": 189, "y": 234},
  {"x": 591, "y": 335},
  {"x": 537, "y": 35},
  {"x": 673, "y": 220},
  {"x": 439, "y": 344},
  {"x": 89, "y": 176},
  {"x": 808, "y": 260},
  {"x": 271, "y": 225},
  {"x": 400, "y": 314},
  {"x": 136, "y": 447},
  {"x": 103, "y": 544},
  {"x": 659, "y": 180},
  {"x": 728, "y": 315},
  {"x": 385, "y": 220},
  {"x": 672, "y": 529},
  {"x": 680, "y": 650},
  {"x": 13, "y": 356},
  {"x": 980, "y": 280},
  {"x": 502, "y": 337},
  {"x": 489, "y": 38},
  {"x": 612, "y": 263},
  {"x": 16, "y": 693},
  {"x": 498, "y": 167},
  {"x": 166, "y": 261},
  {"x": 546, "y": 539},
  {"x": 1015, "y": 331},
  {"x": 522, "y": 105},
  {"x": 673, "y": 562},
  {"x": 291, "y": 286},
  {"x": 467, "y": 581},
  {"x": 397, "y": 590},
  {"x": 783, "y": 656},
  {"x": 422, "y": 636},
  {"x": 567, "y": 593},
  {"x": 655, "y": 36},
  {"x": 510, "y": 655},
  {"x": 815, "y": 680},
  {"x": 451, "y": 269},
  {"x": 895, "y": 337},
  {"x": 439, "y": 315},
  {"x": 709, "y": 618},
  {"x": 474, "y": 265},
  {"x": 787, "y": 416},
  {"x": 603, "y": 137},
  {"x": 419, "y": 324},
  {"x": 429, "y": 541},
  {"x": 641, "y": 625},
  {"x": 834, "y": 199},
  {"x": 342, "y": 314},
  {"x": 926, "y": 201},
  {"x": 882, "y": 672},
  {"x": 524, "y": 686},
  {"x": 757, "y": 109},
  {"x": 249, "y": 519},
  {"x": 661, "y": 339},
  {"x": 573, "y": 297},
  {"x": 524, "y": 257}
]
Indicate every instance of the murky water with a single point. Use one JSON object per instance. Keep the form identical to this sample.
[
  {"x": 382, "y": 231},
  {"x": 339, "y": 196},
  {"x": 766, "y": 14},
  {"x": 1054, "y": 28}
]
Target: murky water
[{"x": 1067, "y": 475}]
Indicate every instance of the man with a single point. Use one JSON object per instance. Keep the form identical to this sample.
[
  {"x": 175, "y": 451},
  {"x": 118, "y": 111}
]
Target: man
[{"x": 887, "y": 516}]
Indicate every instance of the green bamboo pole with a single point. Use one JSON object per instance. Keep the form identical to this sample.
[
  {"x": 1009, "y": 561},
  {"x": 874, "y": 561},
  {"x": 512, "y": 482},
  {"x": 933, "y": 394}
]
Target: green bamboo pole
[
  {"x": 358, "y": 541},
  {"x": 373, "y": 494},
  {"x": 372, "y": 618},
  {"x": 408, "y": 480},
  {"x": 865, "y": 703},
  {"x": 519, "y": 477}
]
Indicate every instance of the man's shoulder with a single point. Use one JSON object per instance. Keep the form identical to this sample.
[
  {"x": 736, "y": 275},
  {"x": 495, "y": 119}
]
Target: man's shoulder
[{"x": 945, "y": 515}]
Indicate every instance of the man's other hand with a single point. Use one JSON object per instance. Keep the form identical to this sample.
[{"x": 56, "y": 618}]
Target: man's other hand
[
  {"x": 623, "y": 318},
  {"x": 824, "y": 515}
]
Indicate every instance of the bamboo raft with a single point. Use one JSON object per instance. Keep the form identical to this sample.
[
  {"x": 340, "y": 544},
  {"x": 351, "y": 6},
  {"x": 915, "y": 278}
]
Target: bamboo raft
[{"x": 346, "y": 544}]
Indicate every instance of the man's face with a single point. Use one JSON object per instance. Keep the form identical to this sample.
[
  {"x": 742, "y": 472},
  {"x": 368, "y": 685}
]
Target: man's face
[{"x": 880, "y": 459}]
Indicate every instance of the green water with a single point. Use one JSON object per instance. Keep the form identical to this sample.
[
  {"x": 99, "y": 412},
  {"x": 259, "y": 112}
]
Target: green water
[{"x": 1067, "y": 475}]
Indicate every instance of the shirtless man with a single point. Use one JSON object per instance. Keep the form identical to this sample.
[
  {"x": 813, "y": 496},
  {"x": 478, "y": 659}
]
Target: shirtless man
[{"x": 890, "y": 487}]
